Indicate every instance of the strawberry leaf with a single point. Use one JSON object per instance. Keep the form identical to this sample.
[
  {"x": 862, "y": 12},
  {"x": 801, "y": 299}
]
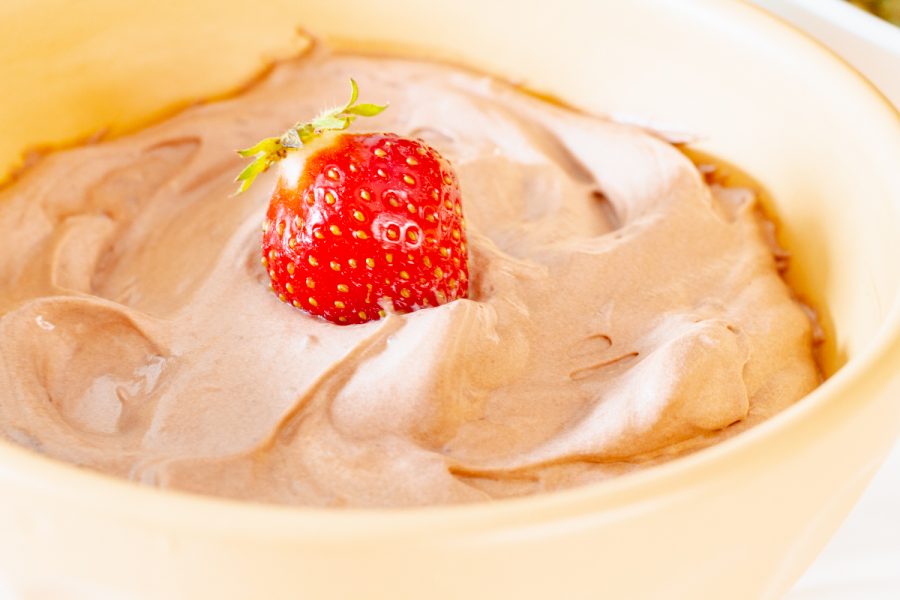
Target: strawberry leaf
[
  {"x": 366, "y": 110},
  {"x": 354, "y": 95},
  {"x": 272, "y": 149},
  {"x": 265, "y": 146},
  {"x": 332, "y": 122},
  {"x": 251, "y": 171}
]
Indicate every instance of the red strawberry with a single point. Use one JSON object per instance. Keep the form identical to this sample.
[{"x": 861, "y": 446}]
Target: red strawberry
[{"x": 360, "y": 223}]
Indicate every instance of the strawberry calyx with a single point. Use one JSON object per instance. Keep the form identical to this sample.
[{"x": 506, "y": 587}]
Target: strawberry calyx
[{"x": 270, "y": 150}]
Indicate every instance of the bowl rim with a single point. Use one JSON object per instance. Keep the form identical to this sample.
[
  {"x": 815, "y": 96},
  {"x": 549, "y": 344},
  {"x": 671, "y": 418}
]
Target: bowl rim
[
  {"x": 856, "y": 20},
  {"x": 863, "y": 377}
]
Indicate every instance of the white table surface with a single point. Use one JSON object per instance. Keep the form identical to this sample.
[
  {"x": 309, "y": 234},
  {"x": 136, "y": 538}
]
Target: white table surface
[{"x": 862, "y": 561}]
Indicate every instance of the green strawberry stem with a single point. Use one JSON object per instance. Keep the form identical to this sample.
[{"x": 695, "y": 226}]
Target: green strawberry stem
[{"x": 272, "y": 149}]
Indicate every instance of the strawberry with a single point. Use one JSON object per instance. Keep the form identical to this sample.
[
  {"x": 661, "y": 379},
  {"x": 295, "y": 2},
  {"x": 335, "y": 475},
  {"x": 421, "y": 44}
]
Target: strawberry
[{"x": 359, "y": 224}]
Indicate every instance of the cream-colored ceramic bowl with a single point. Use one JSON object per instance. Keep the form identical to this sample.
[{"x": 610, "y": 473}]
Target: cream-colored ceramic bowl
[
  {"x": 740, "y": 520},
  {"x": 868, "y": 42}
]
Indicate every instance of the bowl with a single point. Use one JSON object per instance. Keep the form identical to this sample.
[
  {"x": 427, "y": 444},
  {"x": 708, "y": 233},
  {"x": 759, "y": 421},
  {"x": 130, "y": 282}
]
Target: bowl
[
  {"x": 738, "y": 520},
  {"x": 870, "y": 44}
]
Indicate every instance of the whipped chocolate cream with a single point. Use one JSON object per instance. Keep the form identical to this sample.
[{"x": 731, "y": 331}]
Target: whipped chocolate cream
[{"x": 621, "y": 311}]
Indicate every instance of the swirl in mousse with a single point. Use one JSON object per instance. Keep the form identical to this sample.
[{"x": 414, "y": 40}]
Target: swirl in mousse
[{"x": 607, "y": 308}]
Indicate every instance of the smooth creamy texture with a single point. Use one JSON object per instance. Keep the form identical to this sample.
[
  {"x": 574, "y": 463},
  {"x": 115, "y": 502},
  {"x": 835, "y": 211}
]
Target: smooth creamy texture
[{"x": 621, "y": 312}]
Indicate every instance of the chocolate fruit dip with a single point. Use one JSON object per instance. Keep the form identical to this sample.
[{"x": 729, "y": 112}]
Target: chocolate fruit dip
[{"x": 621, "y": 310}]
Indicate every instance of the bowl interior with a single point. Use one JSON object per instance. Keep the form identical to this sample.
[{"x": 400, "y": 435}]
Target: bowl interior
[
  {"x": 819, "y": 140},
  {"x": 778, "y": 115}
]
